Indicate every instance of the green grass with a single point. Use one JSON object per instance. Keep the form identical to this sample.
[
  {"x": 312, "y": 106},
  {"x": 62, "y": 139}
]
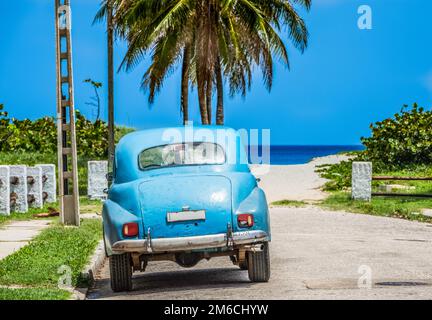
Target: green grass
[
  {"x": 33, "y": 294},
  {"x": 289, "y": 203},
  {"x": 37, "y": 264},
  {"x": 339, "y": 184},
  {"x": 403, "y": 208},
  {"x": 27, "y": 158},
  {"x": 26, "y": 216},
  {"x": 90, "y": 206},
  {"x": 417, "y": 171}
]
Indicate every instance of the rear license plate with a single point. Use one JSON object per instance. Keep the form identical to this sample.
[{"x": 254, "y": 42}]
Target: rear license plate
[{"x": 186, "y": 216}]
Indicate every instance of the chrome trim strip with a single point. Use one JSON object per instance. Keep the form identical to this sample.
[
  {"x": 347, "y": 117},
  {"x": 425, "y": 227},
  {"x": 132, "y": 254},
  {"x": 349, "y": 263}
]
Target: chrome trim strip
[{"x": 189, "y": 243}]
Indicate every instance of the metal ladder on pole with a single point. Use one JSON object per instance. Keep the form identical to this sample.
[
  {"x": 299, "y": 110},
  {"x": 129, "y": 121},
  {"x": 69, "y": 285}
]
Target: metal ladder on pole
[{"x": 66, "y": 135}]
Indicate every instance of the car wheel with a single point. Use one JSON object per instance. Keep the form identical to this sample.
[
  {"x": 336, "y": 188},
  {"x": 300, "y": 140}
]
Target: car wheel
[
  {"x": 121, "y": 272},
  {"x": 259, "y": 264}
]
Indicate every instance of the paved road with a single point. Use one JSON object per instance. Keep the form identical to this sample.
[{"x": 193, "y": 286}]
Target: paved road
[{"x": 315, "y": 255}]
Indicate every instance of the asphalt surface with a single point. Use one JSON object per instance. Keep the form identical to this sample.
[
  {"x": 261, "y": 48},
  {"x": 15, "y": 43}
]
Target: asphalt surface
[{"x": 315, "y": 254}]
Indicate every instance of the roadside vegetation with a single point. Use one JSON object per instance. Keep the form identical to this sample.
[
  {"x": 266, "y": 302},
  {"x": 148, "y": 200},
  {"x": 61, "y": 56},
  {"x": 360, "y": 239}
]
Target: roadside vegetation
[
  {"x": 33, "y": 294},
  {"x": 289, "y": 203},
  {"x": 32, "y": 272},
  {"x": 399, "y": 146},
  {"x": 26, "y": 216},
  {"x": 35, "y": 269},
  {"x": 31, "y": 142},
  {"x": 409, "y": 209},
  {"x": 86, "y": 206}
]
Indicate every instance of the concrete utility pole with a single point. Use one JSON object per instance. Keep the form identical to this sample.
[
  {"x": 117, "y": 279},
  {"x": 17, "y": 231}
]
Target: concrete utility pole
[
  {"x": 66, "y": 135},
  {"x": 111, "y": 128}
]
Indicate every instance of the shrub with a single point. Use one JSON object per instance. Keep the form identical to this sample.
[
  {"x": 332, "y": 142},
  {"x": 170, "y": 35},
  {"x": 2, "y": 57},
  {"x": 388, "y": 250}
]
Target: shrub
[
  {"x": 41, "y": 135},
  {"x": 401, "y": 145},
  {"x": 405, "y": 139}
]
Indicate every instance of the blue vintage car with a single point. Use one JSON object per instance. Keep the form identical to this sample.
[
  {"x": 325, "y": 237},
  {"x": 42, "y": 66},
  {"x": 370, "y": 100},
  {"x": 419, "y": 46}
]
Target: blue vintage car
[{"x": 184, "y": 196}]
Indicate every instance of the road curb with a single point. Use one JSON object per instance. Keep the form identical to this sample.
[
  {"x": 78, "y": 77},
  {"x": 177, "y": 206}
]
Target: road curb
[
  {"x": 88, "y": 274},
  {"x": 96, "y": 262}
]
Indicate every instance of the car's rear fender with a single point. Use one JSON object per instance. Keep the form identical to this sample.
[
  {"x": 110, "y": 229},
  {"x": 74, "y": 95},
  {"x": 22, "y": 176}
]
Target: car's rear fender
[
  {"x": 256, "y": 204},
  {"x": 114, "y": 217},
  {"x": 243, "y": 183},
  {"x": 126, "y": 195}
]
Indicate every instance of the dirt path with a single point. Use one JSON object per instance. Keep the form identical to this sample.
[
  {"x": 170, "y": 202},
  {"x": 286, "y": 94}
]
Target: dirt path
[
  {"x": 296, "y": 182},
  {"x": 315, "y": 255}
]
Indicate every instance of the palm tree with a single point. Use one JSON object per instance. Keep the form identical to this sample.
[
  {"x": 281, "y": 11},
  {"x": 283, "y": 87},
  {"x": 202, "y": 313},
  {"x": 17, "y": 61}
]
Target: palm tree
[
  {"x": 185, "y": 85},
  {"x": 107, "y": 11},
  {"x": 213, "y": 39}
]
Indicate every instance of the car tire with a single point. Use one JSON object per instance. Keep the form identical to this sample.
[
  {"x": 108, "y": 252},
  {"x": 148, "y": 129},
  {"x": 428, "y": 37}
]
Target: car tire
[
  {"x": 243, "y": 265},
  {"x": 259, "y": 264},
  {"x": 121, "y": 272}
]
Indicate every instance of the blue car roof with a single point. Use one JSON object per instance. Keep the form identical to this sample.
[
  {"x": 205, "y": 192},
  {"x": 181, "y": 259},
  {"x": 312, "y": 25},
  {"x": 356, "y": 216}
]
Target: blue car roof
[{"x": 131, "y": 145}]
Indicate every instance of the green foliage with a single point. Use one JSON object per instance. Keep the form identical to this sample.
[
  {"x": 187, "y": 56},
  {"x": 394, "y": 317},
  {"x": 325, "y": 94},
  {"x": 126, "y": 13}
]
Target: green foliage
[
  {"x": 27, "y": 158},
  {"x": 86, "y": 206},
  {"x": 121, "y": 131},
  {"x": 409, "y": 209},
  {"x": 339, "y": 175},
  {"x": 92, "y": 137},
  {"x": 40, "y": 136},
  {"x": 33, "y": 294},
  {"x": 213, "y": 39},
  {"x": 14, "y": 216},
  {"x": 399, "y": 146},
  {"x": 403, "y": 140},
  {"x": 289, "y": 203},
  {"x": 37, "y": 263}
]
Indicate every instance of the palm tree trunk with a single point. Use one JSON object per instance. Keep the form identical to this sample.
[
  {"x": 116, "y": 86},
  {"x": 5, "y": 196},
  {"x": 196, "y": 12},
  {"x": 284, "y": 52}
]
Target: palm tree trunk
[
  {"x": 201, "y": 68},
  {"x": 203, "y": 105},
  {"x": 185, "y": 85},
  {"x": 110, "y": 35},
  {"x": 220, "y": 117},
  {"x": 209, "y": 90},
  {"x": 201, "y": 84}
]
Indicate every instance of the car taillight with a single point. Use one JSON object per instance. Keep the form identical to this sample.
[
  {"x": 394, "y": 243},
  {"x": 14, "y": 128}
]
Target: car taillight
[
  {"x": 130, "y": 229},
  {"x": 245, "y": 220}
]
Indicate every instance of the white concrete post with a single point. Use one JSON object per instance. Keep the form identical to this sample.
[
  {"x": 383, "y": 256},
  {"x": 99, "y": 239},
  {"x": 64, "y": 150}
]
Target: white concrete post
[
  {"x": 362, "y": 181},
  {"x": 97, "y": 179},
  {"x": 4, "y": 190},
  {"x": 34, "y": 187},
  {"x": 49, "y": 183},
  {"x": 18, "y": 188}
]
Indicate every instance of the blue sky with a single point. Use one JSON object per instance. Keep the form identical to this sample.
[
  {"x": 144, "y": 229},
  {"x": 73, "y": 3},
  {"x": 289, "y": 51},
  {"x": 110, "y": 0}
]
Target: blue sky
[{"x": 345, "y": 80}]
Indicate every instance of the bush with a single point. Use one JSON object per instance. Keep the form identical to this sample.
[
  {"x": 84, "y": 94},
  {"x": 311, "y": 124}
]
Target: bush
[
  {"x": 41, "y": 135},
  {"x": 405, "y": 139},
  {"x": 401, "y": 145}
]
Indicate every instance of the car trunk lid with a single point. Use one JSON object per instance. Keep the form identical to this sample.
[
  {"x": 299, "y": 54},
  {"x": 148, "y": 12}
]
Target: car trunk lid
[{"x": 183, "y": 206}]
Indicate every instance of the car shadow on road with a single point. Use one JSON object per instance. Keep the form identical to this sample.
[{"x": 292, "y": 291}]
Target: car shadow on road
[{"x": 173, "y": 281}]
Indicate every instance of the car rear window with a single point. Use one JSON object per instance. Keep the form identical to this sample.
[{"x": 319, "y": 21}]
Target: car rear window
[{"x": 181, "y": 154}]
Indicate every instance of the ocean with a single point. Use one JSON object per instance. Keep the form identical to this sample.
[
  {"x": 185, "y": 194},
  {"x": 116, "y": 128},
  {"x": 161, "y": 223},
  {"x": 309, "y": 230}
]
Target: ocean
[{"x": 285, "y": 155}]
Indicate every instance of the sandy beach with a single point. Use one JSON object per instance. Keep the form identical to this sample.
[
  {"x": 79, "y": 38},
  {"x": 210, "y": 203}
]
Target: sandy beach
[{"x": 296, "y": 182}]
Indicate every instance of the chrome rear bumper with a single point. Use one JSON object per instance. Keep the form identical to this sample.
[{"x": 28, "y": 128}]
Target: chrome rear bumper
[{"x": 190, "y": 243}]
